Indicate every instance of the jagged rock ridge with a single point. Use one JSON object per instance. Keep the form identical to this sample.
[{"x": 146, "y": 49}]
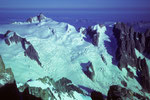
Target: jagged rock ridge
[
  {"x": 128, "y": 40},
  {"x": 51, "y": 88},
  {"x": 94, "y": 33},
  {"x": 29, "y": 50}
]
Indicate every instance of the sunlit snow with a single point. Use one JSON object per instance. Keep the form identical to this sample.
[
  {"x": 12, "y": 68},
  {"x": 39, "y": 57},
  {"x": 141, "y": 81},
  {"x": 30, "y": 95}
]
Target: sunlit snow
[{"x": 61, "y": 49}]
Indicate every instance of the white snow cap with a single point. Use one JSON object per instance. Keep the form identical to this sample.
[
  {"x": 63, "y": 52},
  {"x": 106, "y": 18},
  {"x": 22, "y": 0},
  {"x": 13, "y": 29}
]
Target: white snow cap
[{"x": 99, "y": 28}]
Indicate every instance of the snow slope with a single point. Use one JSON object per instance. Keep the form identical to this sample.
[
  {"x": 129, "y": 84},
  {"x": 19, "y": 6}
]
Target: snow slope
[{"x": 62, "y": 49}]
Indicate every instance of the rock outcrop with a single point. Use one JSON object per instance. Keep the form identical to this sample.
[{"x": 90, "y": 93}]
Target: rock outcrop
[
  {"x": 143, "y": 74},
  {"x": 128, "y": 40},
  {"x": 118, "y": 93},
  {"x": 6, "y": 75},
  {"x": 97, "y": 96},
  {"x": 103, "y": 58},
  {"x": 94, "y": 33},
  {"x": 2, "y": 65},
  {"x": 32, "y": 54},
  {"x": 125, "y": 53},
  {"x": 66, "y": 86},
  {"x": 29, "y": 50},
  {"x": 88, "y": 70},
  {"x": 147, "y": 41},
  {"x": 46, "y": 88}
]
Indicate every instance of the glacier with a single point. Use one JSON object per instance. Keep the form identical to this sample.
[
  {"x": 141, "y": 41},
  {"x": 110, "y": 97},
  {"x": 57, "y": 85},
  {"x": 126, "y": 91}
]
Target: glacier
[{"x": 61, "y": 49}]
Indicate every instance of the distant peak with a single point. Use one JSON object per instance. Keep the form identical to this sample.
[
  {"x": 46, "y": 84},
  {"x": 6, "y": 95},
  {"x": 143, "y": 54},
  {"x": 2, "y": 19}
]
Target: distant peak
[
  {"x": 97, "y": 27},
  {"x": 41, "y": 17},
  {"x": 38, "y": 18}
]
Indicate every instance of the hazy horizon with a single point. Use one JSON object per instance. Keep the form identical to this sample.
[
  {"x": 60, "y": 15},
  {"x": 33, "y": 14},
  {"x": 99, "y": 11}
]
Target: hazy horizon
[
  {"x": 84, "y": 10},
  {"x": 70, "y": 4}
]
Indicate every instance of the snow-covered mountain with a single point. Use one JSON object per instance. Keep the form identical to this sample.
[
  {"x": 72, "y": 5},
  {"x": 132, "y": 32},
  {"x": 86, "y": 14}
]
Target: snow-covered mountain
[{"x": 68, "y": 64}]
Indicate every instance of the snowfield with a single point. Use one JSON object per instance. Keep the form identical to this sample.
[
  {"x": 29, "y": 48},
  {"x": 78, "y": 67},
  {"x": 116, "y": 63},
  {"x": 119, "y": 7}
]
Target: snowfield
[{"x": 62, "y": 50}]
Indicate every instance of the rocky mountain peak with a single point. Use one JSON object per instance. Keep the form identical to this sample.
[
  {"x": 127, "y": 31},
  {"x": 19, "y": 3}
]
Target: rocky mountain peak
[
  {"x": 38, "y": 18},
  {"x": 94, "y": 32}
]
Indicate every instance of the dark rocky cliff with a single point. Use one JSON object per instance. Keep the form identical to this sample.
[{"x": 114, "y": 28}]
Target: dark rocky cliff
[{"x": 128, "y": 40}]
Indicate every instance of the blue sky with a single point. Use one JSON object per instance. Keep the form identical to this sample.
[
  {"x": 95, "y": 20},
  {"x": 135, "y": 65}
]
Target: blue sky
[{"x": 74, "y": 3}]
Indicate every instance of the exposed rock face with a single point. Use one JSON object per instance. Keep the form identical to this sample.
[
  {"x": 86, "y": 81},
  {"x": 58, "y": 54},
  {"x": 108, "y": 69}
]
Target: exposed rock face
[
  {"x": 125, "y": 53},
  {"x": 65, "y": 85},
  {"x": 147, "y": 41},
  {"x": 6, "y": 75},
  {"x": 118, "y": 93},
  {"x": 128, "y": 40},
  {"x": 103, "y": 58},
  {"x": 88, "y": 69},
  {"x": 124, "y": 83},
  {"x": 38, "y": 18},
  {"x": 38, "y": 92},
  {"x": 32, "y": 54},
  {"x": 41, "y": 17},
  {"x": 97, "y": 96},
  {"x": 52, "y": 90},
  {"x": 29, "y": 50},
  {"x": 143, "y": 73},
  {"x": 94, "y": 33},
  {"x": 2, "y": 65}
]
